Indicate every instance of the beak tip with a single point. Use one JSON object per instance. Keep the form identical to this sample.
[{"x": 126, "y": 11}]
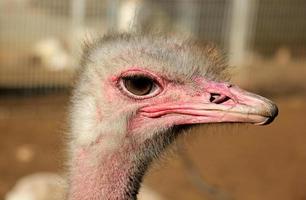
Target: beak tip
[
  {"x": 274, "y": 111},
  {"x": 272, "y": 115}
]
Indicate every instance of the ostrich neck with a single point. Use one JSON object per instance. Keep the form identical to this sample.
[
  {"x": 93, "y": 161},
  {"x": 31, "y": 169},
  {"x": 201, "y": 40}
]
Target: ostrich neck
[{"x": 97, "y": 176}]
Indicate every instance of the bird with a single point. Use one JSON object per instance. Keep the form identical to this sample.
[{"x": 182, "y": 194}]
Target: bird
[{"x": 134, "y": 96}]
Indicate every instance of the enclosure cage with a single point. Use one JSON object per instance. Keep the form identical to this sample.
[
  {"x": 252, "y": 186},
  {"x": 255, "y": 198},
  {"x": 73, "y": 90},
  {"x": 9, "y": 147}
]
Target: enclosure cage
[{"x": 40, "y": 40}]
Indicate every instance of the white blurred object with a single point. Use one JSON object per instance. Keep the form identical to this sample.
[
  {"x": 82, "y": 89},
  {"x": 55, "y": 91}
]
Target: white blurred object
[
  {"x": 51, "y": 186},
  {"x": 140, "y": 15},
  {"x": 38, "y": 186},
  {"x": 51, "y": 53},
  {"x": 242, "y": 16},
  {"x": 127, "y": 14}
]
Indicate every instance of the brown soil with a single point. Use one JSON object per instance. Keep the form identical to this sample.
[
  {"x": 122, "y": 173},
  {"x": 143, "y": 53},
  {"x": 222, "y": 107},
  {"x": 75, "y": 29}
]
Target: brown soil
[{"x": 247, "y": 162}]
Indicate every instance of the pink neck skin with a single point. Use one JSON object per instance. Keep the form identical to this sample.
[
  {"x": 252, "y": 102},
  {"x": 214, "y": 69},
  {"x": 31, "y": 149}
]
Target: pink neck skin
[{"x": 98, "y": 177}]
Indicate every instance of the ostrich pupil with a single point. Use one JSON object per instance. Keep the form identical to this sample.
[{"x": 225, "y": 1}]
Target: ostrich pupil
[{"x": 138, "y": 85}]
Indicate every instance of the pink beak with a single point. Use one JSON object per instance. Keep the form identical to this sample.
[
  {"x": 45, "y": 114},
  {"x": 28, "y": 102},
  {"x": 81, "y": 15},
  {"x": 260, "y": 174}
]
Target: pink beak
[{"x": 219, "y": 102}]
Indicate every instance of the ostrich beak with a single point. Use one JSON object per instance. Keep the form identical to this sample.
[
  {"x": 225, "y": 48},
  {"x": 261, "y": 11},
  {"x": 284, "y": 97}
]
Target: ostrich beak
[{"x": 219, "y": 102}]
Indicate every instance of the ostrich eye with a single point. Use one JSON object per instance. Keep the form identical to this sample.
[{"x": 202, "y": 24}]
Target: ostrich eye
[{"x": 138, "y": 85}]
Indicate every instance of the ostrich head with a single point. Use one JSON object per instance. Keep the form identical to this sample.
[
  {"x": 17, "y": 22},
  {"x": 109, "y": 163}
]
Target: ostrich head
[{"x": 134, "y": 96}]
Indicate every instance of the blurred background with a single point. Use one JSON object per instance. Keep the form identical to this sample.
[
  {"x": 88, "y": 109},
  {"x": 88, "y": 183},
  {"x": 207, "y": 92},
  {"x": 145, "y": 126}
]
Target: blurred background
[{"x": 40, "y": 46}]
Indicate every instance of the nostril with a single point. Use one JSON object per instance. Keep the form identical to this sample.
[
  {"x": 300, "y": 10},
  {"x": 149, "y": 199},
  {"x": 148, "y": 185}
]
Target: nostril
[
  {"x": 218, "y": 98},
  {"x": 213, "y": 97}
]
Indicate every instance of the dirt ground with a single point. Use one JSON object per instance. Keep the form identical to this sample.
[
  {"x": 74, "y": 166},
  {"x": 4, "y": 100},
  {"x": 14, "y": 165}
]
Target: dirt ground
[{"x": 247, "y": 162}]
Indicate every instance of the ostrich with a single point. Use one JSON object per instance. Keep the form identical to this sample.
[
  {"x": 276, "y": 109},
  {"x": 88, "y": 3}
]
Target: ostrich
[{"x": 134, "y": 96}]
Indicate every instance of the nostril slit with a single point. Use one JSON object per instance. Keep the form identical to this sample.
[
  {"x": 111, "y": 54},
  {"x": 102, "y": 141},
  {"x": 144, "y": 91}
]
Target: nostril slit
[
  {"x": 213, "y": 97},
  {"x": 218, "y": 98}
]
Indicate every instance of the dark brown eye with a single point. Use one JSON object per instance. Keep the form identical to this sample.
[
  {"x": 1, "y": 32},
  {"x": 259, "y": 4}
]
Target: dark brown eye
[{"x": 138, "y": 85}]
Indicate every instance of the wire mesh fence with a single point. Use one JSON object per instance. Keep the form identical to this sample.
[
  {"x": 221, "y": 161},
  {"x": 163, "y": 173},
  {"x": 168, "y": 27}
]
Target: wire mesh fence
[{"x": 40, "y": 39}]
